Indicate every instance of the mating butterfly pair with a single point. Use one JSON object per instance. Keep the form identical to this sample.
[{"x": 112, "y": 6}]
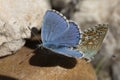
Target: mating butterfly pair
[{"x": 60, "y": 35}]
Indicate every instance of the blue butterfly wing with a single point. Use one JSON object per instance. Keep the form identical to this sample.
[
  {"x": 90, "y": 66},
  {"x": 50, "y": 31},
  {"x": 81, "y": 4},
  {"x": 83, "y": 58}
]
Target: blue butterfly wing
[
  {"x": 53, "y": 26},
  {"x": 67, "y": 52},
  {"x": 70, "y": 37}
]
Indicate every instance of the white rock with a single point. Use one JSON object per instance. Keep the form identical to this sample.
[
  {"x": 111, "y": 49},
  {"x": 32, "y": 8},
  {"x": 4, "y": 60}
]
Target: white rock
[
  {"x": 11, "y": 47},
  {"x": 95, "y": 11},
  {"x": 15, "y": 18}
]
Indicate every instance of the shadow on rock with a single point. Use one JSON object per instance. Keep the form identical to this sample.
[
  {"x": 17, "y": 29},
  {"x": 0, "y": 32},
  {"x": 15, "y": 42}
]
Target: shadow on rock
[
  {"x": 3, "y": 77},
  {"x": 46, "y": 58}
]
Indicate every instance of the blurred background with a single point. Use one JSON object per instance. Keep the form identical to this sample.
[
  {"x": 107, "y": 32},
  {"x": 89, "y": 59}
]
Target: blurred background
[
  {"x": 17, "y": 15},
  {"x": 88, "y": 13}
]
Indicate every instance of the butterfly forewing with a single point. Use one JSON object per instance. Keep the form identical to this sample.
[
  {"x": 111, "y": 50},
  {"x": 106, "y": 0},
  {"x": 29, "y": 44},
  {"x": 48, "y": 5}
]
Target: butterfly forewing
[{"x": 53, "y": 26}]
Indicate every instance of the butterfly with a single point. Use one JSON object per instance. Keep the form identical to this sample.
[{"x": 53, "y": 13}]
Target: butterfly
[
  {"x": 91, "y": 40},
  {"x": 60, "y": 35}
]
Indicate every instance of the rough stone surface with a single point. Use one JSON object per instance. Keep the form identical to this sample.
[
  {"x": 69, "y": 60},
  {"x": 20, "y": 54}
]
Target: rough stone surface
[
  {"x": 42, "y": 65},
  {"x": 115, "y": 68},
  {"x": 116, "y": 72},
  {"x": 15, "y": 18}
]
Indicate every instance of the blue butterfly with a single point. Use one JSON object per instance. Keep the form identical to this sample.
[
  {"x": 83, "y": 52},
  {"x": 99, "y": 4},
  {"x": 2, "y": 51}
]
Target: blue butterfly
[{"x": 60, "y": 35}]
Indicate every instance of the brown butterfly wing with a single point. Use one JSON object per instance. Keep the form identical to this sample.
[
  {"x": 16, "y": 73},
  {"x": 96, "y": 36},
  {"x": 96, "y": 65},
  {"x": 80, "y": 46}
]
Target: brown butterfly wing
[{"x": 92, "y": 39}]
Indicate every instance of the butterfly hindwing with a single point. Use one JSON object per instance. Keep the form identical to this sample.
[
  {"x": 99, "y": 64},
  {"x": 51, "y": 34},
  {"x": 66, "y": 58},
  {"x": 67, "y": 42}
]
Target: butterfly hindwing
[
  {"x": 67, "y": 52},
  {"x": 92, "y": 40}
]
